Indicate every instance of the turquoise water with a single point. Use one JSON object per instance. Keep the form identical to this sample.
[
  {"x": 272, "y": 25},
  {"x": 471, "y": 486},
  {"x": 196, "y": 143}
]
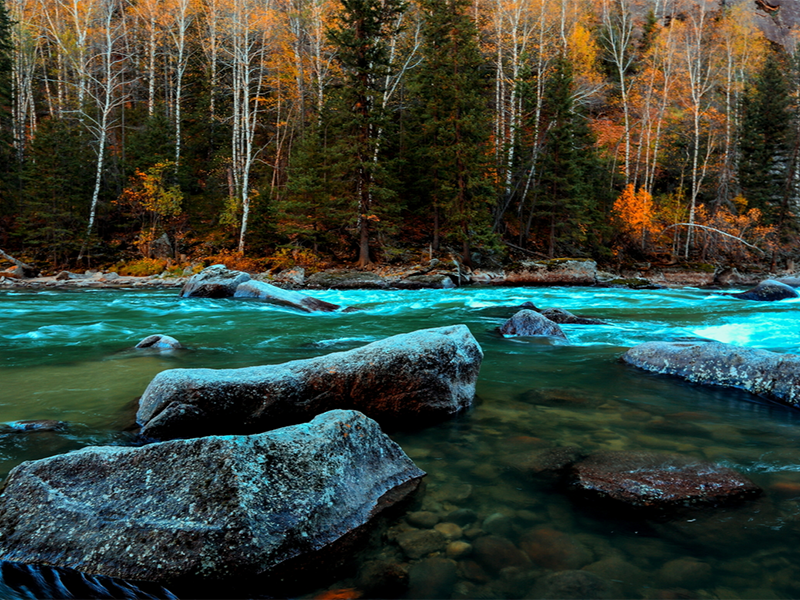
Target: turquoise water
[{"x": 67, "y": 355}]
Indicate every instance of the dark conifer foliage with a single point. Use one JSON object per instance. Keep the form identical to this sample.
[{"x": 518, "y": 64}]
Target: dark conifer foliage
[
  {"x": 449, "y": 93},
  {"x": 764, "y": 139}
]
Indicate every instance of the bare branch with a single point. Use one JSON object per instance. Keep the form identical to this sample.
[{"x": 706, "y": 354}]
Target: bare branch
[{"x": 738, "y": 239}]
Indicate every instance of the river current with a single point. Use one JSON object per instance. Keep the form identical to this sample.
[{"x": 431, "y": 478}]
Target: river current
[{"x": 67, "y": 355}]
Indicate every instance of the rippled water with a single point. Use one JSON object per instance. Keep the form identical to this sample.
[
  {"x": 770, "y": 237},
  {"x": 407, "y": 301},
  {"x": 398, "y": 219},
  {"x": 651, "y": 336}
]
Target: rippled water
[{"x": 67, "y": 355}]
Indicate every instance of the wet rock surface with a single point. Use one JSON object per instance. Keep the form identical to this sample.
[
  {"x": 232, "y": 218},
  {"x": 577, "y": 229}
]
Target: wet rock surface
[
  {"x": 768, "y": 290},
  {"x": 409, "y": 379},
  {"x": 216, "y": 281},
  {"x": 561, "y": 316},
  {"x": 259, "y": 290},
  {"x": 763, "y": 373},
  {"x": 659, "y": 481},
  {"x": 213, "y": 508},
  {"x": 530, "y": 323},
  {"x": 159, "y": 342}
]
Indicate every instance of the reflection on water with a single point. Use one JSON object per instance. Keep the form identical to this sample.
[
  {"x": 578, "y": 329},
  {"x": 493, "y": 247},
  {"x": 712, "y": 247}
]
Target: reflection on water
[{"x": 484, "y": 528}]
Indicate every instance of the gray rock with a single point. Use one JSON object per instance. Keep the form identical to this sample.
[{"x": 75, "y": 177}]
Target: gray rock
[
  {"x": 793, "y": 282},
  {"x": 768, "y": 290},
  {"x": 763, "y": 373},
  {"x": 213, "y": 508},
  {"x": 424, "y": 519},
  {"x": 216, "y": 281},
  {"x": 559, "y": 315},
  {"x": 413, "y": 378},
  {"x": 275, "y": 295},
  {"x": 346, "y": 280},
  {"x": 159, "y": 341},
  {"x": 530, "y": 323},
  {"x": 425, "y": 281},
  {"x": 557, "y": 271}
]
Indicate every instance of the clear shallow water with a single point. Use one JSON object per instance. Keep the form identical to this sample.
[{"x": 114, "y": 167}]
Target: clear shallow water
[{"x": 67, "y": 356}]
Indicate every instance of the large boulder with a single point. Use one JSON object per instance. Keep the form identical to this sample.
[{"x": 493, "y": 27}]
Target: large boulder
[
  {"x": 216, "y": 281},
  {"x": 215, "y": 508},
  {"x": 561, "y": 316},
  {"x": 768, "y": 290},
  {"x": 275, "y": 295},
  {"x": 658, "y": 481},
  {"x": 767, "y": 374},
  {"x": 557, "y": 271},
  {"x": 530, "y": 323},
  {"x": 409, "y": 379}
]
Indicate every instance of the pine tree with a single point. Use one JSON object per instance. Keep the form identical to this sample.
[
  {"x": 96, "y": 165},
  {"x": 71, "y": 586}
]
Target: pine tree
[
  {"x": 450, "y": 91},
  {"x": 567, "y": 194},
  {"x": 8, "y": 163},
  {"x": 360, "y": 36},
  {"x": 764, "y": 140}
]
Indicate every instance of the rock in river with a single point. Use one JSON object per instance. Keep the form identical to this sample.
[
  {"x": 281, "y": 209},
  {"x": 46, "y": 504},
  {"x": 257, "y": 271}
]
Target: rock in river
[
  {"x": 212, "y": 508},
  {"x": 216, "y": 281},
  {"x": 768, "y": 290},
  {"x": 160, "y": 342},
  {"x": 531, "y": 323},
  {"x": 410, "y": 379},
  {"x": 275, "y": 295},
  {"x": 650, "y": 480},
  {"x": 767, "y": 374}
]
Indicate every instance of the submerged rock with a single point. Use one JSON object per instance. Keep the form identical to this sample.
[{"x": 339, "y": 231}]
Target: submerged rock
[
  {"x": 33, "y": 426},
  {"x": 768, "y": 290},
  {"x": 214, "y": 508},
  {"x": 578, "y": 585},
  {"x": 216, "y": 281},
  {"x": 659, "y": 481},
  {"x": 763, "y": 373},
  {"x": 409, "y": 379},
  {"x": 530, "y": 323},
  {"x": 275, "y": 295},
  {"x": 164, "y": 342}
]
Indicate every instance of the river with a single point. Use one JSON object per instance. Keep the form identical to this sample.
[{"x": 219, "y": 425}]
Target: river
[{"x": 67, "y": 355}]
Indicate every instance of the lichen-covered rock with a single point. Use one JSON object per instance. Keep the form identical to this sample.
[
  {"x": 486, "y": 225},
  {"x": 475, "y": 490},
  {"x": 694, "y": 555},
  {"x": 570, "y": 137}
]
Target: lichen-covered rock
[
  {"x": 159, "y": 341},
  {"x": 213, "y": 508},
  {"x": 768, "y": 290},
  {"x": 275, "y": 295},
  {"x": 410, "y": 379},
  {"x": 557, "y": 271},
  {"x": 531, "y": 323},
  {"x": 658, "y": 481},
  {"x": 763, "y": 373},
  {"x": 216, "y": 281}
]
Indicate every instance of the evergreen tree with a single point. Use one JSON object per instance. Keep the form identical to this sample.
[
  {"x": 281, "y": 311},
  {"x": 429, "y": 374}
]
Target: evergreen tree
[
  {"x": 8, "y": 163},
  {"x": 58, "y": 181},
  {"x": 764, "y": 140},
  {"x": 360, "y": 36},
  {"x": 450, "y": 89},
  {"x": 567, "y": 193}
]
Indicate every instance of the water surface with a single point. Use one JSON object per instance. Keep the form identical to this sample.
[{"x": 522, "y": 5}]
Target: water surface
[{"x": 67, "y": 355}]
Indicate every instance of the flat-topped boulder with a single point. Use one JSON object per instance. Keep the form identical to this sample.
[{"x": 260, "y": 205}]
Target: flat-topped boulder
[
  {"x": 556, "y": 271},
  {"x": 414, "y": 379},
  {"x": 530, "y": 323},
  {"x": 211, "y": 509},
  {"x": 260, "y": 290},
  {"x": 658, "y": 481},
  {"x": 216, "y": 281},
  {"x": 768, "y": 290},
  {"x": 768, "y": 374}
]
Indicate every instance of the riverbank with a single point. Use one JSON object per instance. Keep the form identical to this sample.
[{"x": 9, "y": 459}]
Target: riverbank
[{"x": 434, "y": 275}]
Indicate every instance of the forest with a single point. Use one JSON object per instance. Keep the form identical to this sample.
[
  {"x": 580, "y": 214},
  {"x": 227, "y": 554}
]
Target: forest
[{"x": 142, "y": 134}]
